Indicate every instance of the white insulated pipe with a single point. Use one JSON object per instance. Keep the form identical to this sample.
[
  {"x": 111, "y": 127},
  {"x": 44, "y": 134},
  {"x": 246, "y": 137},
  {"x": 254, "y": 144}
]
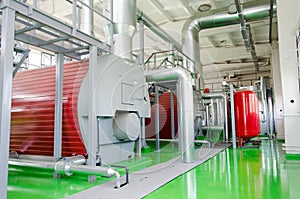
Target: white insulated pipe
[
  {"x": 124, "y": 25},
  {"x": 69, "y": 166},
  {"x": 221, "y": 96},
  {"x": 253, "y": 11},
  {"x": 87, "y": 18},
  {"x": 185, "y": 106}
]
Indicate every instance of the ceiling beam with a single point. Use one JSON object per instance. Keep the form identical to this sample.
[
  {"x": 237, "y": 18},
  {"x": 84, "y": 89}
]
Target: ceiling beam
[
  {"x": 230, "y": 39},
  {"x": 161, "y": 9},
  {"x": 212, "y": 41},
  {"x": 186, "y": 7}
]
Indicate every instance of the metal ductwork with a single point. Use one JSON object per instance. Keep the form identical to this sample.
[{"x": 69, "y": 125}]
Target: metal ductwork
[
  {"x": 184, "y": 87},
  {"x": 253, "y": 11},
  {"x": 87, "y": 19},
  {"x": 123, "y": 13}
]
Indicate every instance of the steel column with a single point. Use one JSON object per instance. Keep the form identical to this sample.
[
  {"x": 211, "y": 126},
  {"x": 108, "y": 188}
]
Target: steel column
[
  {"x": 157, "y": 117},
  {"x": 58, "y": 106},
  {"x": 6, "y": 69},
  {"x": 142, "y": 41},
  {"x": 172, "y": 115},
  {"x": 232, "y": 116},
  {"x": 92, "y": 135}
]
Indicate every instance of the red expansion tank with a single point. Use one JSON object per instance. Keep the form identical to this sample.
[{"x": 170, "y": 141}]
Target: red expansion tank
[{"x": 246, "y": 109}]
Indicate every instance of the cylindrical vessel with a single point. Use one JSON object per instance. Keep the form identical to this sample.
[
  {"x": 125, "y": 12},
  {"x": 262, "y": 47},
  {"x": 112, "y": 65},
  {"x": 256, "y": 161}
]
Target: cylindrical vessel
[{"x": 246, "y": 115}]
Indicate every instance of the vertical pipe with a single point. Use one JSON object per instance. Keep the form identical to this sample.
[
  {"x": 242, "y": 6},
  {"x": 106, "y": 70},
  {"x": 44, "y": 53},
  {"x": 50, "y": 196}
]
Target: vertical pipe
[
  {"x": 74, "y": 16},
  {"x": 87, "y": 21},
  {"x": 172, "y": 115},
  {"x": 58, "y": 106},
  {"x": 6, "y": 68},
  {"x": 212, "y": 111},
  {"x": 154, "y": 62},
  {"x": 92, "y": 128},
  {"x": 111, "y": 17},
  {"x": 142, "y": 31},
  {"x": 157, "y": 118},
  {"x": 143, "y": 134},
  {"x": 232, "y": 116},
  {"x": 186, "y": 108},
  {"x": 171, "y": 55}
]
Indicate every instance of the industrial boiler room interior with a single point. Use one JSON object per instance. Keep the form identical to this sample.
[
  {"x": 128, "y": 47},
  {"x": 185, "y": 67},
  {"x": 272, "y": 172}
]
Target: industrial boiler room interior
[{"x": 150, "y": 99}]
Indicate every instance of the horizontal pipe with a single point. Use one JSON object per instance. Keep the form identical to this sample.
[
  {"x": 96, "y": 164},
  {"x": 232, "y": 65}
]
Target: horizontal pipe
[
  {"x": 195, "y": 141},
  {"x": 92, "y": 170},
  {"x": 157, "y": 30},
  {"x": 204, "y": 142},
  {"x": 253, "y": 11}
]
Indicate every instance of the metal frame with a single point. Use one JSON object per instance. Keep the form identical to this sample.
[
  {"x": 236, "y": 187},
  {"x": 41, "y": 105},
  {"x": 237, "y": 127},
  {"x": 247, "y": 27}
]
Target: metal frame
[
  {"x": 91, "y": 139},
  {"x": 157, "y": 118},
  {"x": 6, "y": 68},
  {"x": 232, "y": 116},
  {"x": 54, "y": 28},
  {"x": 58, "y": 107}
]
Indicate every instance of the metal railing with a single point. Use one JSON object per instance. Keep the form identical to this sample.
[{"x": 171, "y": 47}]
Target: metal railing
[{"x": 160, "y": 59}]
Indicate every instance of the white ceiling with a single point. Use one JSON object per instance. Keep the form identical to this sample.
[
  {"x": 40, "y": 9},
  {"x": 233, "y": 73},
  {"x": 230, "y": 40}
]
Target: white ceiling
[{"x": 222, "y": 49}]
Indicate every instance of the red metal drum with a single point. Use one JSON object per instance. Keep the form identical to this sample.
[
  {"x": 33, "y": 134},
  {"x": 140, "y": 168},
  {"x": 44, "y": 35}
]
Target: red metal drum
[
  {"x": 32, "y": 114},
  {"x": 246, "y": 115},
  {"x": 165, "y": 118}
]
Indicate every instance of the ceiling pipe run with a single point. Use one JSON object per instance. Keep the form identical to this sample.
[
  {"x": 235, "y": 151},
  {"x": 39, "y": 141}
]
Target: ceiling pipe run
[
  {"x": 253, "y": 11},
  {"x": 157, "y": 30},
  {"x": 244, "y": 32},
  {"x": 185, "y": 106}
]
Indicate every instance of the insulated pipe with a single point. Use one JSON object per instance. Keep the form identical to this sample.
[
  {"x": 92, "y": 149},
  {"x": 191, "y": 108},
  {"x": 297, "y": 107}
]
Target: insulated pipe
[
  {"x": 87, "y": 19},
  {"x": 222, "y": 96},
  {"x": 74, "y": 168},
  {"x": 253, "y": 11},
  {"x": 157, "y": 30},
  {"x": 124, "y": 26},
  {"x": 240, "y": 12},
  {"x": 185, "y": 108}
]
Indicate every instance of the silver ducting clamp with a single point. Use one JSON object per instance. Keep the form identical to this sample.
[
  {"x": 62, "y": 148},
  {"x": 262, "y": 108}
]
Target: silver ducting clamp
[{"x": 64, "y": 165}]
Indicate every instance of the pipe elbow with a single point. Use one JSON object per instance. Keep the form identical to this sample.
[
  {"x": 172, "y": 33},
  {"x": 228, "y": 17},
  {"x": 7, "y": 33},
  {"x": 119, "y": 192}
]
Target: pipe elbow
[{"x": 173, "y": 74}]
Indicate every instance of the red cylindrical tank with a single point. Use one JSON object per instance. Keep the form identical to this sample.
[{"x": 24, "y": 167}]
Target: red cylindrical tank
[
  {"x": 246, "y": 115},
  {"x": 165, "y": 118}
]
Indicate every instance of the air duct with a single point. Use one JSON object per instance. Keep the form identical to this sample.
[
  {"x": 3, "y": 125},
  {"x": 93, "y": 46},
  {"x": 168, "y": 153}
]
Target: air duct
[
  {"x": 253, "y": 11},
  {"x": 87, "y": 19},
  {"x": 124, "y": 25},
  {"x": 185, "y": 106}
]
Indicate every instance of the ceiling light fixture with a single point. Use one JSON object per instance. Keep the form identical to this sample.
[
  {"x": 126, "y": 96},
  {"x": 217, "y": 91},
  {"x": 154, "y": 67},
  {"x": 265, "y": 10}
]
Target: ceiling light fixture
[{"x": 204, "y": 7}]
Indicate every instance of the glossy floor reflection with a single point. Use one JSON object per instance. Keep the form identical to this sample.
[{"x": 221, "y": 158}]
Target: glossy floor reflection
[{"x": 235, "y": 174}]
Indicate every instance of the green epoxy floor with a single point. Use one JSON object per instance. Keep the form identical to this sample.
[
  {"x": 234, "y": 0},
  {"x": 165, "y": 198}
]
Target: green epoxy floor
[
  {"x": 242, "y": 173},
  {"x": 239, "y": 174}
]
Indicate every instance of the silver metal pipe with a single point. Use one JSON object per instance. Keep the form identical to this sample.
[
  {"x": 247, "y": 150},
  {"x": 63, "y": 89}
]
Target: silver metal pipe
[
  {"x": 245, "y": 35},
  {"x": 87, "y": 19},
  {"x": 185, "y": 106},
  {"x": 157, "y": 129},
  {"x": 204, "y": 142},
  {"x": 232, "y": 90},
  {"x": 124, "y": 25},
  {"x": 69, "y": 166},
  {"x": 142, "y": 45},
  {"x": 222, "y": 96},
  {"x": 157, "y": 30},
  {"x": 253, "y": 11},
  {"x": 172, "y": 115}
]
